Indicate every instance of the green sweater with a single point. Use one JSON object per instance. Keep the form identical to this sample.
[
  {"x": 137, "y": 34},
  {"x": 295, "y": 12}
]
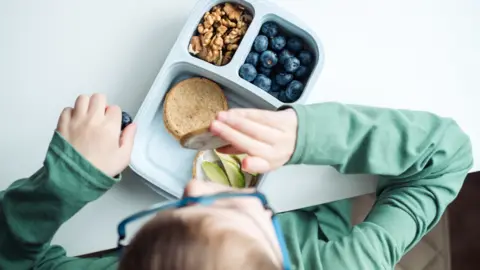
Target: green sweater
[{"x": 421, "y": 159}]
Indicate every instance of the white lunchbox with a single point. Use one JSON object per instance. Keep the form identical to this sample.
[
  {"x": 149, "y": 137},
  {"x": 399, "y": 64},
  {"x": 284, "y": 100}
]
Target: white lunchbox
[{"x": 157, "y": 156}]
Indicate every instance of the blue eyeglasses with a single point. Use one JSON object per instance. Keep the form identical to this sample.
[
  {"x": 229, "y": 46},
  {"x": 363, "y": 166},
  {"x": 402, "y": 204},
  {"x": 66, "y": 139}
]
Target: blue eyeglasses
[{"x": 206, "y": 200}]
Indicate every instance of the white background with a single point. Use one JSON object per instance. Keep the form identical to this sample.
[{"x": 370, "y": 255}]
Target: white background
[{"x": 405, "y": 54}]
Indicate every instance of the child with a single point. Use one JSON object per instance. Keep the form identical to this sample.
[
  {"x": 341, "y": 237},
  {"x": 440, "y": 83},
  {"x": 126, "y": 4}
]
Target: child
[{"x": 421, "y": 160}]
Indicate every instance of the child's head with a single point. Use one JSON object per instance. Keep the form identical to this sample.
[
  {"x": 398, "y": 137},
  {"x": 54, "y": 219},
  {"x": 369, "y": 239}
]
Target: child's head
[{"x": 230, "y": 234}]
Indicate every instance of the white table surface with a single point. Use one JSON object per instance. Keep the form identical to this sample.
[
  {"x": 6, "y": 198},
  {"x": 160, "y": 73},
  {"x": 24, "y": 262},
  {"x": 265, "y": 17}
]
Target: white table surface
[{"x": 405, "y": 54}]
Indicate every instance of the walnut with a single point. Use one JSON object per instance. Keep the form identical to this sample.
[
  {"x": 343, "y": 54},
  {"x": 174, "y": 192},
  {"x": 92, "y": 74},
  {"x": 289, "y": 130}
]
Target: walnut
[
  {"x": 232, "y": 37},
  {"x": 217, "y": 15},
  {"x": 233, "y": 12},
  {"x": 209, "y": 55},
  {"x": 217, "y": 43},
  {"x": 218, "y": 61},
  {"x": 243, "y": 30},
  {"x": 195, "y": 45},
  {"x": 227, "y": 57},
  {"x": 202, "y": 30},
  {"x": 206, "y": 38},
  {"x": 208, "y": 20},
  {"x": 228, "y": 23},
  {"x": 240, "y": 24},
  {"x": 232, "y": 47},
  {"x": 218, "y": 9},
  {"x": 222, "y": 29},
  {"x": 203, "y": 53}
]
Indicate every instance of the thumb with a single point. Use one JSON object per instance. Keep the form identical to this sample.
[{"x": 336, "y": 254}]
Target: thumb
[{"x": 127, "y": 137}]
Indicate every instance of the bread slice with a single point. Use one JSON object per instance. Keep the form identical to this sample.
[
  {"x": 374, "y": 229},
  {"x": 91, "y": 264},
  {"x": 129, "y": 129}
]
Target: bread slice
[{"x": 192, "y": 105}]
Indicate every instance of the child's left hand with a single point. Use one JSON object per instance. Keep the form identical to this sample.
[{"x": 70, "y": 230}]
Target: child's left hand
[{"x": 94, "y": 130}]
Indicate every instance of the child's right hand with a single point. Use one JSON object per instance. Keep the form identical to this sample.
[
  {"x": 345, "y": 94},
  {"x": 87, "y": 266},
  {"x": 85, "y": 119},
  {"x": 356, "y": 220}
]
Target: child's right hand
[
  {"x": 94, "y": 130},
  {"x": 267, "y": 137}
]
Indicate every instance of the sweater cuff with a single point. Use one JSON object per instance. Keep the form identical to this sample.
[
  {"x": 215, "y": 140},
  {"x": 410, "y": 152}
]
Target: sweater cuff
[
  {"x": 301, "y": 140},
  {"x": 78, "y": 165}
]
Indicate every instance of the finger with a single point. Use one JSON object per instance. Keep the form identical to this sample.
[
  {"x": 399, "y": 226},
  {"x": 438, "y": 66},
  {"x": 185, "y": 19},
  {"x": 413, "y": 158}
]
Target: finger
[
  {"x": 127, "y": 138},
  {"x": 114, "y": 116},
  {"x": 238, "y": 140},
  {"x": 97, "y": 105},
  {"x": 268, "y": 118},
  {"x": 64, "y": 118},
  {"x": 255, "y": 165},
  {"x": 229, "y": 150},
  {"x": 248, "y": 127},
  {"x": 81, "y": 105}
]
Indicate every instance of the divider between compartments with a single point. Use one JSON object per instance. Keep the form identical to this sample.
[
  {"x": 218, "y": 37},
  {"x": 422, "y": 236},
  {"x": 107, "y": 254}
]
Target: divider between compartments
[{"x": 247, "y": 41}]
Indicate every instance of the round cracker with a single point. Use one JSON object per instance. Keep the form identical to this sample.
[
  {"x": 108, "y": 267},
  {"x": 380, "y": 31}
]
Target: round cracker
[{"x": 192, "y": 104}]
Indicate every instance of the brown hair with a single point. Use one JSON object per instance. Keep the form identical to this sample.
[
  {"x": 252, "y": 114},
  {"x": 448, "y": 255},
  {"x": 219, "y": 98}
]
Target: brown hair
[{"x": 168, "y": 242}]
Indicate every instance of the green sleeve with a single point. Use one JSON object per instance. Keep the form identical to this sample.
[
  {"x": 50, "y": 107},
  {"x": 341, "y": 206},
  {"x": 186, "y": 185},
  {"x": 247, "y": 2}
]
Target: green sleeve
[
  {"x": 32, "y": 209},
  {"x": 422, "y": 161}
]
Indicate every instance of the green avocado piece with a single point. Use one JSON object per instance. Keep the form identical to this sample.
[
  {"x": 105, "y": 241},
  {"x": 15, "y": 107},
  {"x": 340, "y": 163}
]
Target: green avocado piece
[
  {"x": 230, "y": 158},
  {"x": 233, "y": 169},
  {"x": 234, "y": 173},
  {"x": 215, "y": 173}
]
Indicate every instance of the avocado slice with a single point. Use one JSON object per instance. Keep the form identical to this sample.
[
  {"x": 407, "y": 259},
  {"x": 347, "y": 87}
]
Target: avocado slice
[
  {"x": 233, "y": 170},
  {"x": 230, "y": 158},
  {"x": 215, "y": 173},
  {"x": 234, "y": 173}
]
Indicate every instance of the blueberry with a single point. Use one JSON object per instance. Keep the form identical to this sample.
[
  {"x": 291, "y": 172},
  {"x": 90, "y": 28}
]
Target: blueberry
[
  {"x": 284, "y": 55},
  {"x": 301, "y": 72},
  {"x": 263, "y": 82},
  {"x": 268, "y": 59},
  {"x": 294, "y": 44},
  {"x": 269, "y": 29},
  {"x": 294, "y": 90},
  {"x": 277, "y": 69},
  {"x": 291, "y": 64},
  {"x": 305, "y": 57},
  {"x": 275, "y": 87},
  {"x": 282, "y": 96},
  {"x": 252, "y": 58},
  {"x": 283, "y": 78},
  {"x": 278, "y": 43},
  {"x": 260, "y": 44},
  {"x": 265, "y": 71},
  {"x": 248, "y": 72},
  {"x": 126, "y": 120}
]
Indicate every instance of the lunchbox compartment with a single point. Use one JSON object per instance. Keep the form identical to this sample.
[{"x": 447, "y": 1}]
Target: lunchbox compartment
[
  {"x": 153, "y": 141},
  {"x": 289, "y": 29},
  {"x": 207, "y": 8}
]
